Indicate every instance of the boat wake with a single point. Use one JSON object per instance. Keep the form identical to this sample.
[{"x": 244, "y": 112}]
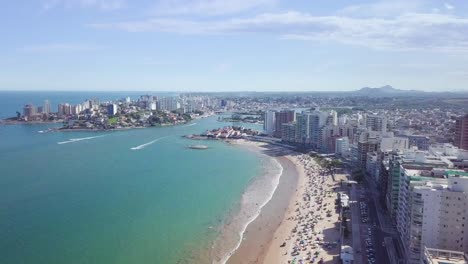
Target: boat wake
[
  {"x": 190, "y": 125},
  {"x": 72, "y": 140},
  {"x": 142, "y": 146}
]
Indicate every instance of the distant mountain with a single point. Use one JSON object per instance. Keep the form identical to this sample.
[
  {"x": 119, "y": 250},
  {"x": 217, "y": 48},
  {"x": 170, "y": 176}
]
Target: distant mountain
[{"x": 386, "y": 90}]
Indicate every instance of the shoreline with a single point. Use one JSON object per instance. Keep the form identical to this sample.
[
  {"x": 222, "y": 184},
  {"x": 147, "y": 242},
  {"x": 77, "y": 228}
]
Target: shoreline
[
  {"x": 300, "y": 221},
  {"x": 8, "y": 122},
  {"x": 258, "y": 233}
]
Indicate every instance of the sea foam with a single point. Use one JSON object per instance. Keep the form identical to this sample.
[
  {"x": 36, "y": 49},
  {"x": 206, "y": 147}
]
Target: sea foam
[{"x": 253, "y": 200}]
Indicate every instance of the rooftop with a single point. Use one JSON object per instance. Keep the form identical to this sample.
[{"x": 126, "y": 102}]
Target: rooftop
[{"x": 439, "y": 256}]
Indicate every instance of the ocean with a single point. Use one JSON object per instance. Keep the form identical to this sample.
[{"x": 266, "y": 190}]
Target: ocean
[{"x": 136, "y": 196}]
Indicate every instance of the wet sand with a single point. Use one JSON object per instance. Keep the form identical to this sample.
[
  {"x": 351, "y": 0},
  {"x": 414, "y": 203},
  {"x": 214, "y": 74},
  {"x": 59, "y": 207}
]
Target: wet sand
[{"x": 260, "y": 232}]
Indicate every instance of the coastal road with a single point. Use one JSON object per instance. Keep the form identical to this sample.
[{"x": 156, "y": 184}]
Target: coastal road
[
  {"x": 361, "y": 194},
  {"x": 383, "y": 231},
  {"x": 356, "y": 226}
]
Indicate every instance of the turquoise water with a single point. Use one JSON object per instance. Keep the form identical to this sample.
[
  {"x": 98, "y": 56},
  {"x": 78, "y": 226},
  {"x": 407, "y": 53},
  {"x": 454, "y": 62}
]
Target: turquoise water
[{"x": 98, "y": 201}]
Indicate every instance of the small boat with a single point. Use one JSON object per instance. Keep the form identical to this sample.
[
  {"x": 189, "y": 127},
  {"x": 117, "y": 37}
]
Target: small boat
[{"x": 200, "y": 147}]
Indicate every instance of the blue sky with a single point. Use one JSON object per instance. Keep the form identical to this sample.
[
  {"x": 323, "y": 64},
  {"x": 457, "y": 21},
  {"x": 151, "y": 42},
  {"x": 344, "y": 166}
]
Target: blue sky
[{"x": 233, "y": 45}]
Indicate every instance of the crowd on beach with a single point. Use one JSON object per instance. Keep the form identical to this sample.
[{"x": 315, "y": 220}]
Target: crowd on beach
[{"x": 315, "y": 235}]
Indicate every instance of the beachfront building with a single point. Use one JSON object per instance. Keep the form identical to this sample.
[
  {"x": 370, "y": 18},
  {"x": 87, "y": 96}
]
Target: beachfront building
[
  {"x": 317, "y": 121},
  {"x": 404, "y": 162},
  {"x": 419, "y": 187},
  {"x": 437, "y": 212},
  {"x": 283, "y": 117},
  {"x": 302, "y": 128},
  {"x": 269, "y": 122},
  {"x": 288, "y": 131}
]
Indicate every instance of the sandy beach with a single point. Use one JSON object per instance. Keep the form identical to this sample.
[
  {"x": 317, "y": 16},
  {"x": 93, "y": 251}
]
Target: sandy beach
[{"x": 300, "y": 223}]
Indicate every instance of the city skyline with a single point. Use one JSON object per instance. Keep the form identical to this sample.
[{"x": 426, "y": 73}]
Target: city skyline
[{"x": 211, "y": 45}]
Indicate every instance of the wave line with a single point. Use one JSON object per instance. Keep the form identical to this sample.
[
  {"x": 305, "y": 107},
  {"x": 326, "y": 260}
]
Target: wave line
[
  {"x": 190, "y": 125},
  {"x": 71, "y": 140}
]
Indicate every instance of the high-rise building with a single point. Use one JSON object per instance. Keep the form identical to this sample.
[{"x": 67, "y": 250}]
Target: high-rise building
[
  {"x": 376, "y": 123},
  {"x": 46, "y": 109},
  {"x": 167, "y": 104},
  {"x": 368, "y": 142},
  {"x": 29, "y": 110},
  {"x": 317, "y": 121},
  {"x": 64, "y": 109},
  {"x": 76, "y": 109},
  {"x": 342, "y": 146},
  {"x": 302, "y": 128},
  {"x": 282, "y": 117},
  {"x": 269, "y": 122},
  {"x": 334, "y": 119},
  {"x": 461, "y": 132},
  {"x": 111, "y": 109},
  {"x": 288, "y": 132},
  {"x": 437, "y": 216}
]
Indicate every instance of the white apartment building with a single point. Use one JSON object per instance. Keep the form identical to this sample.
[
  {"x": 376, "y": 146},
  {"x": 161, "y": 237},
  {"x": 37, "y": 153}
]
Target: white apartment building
[
  {"x": 432, "y": 213},
  {"x": 269, "y": 122},
  {"x": 342, "y": 146}
]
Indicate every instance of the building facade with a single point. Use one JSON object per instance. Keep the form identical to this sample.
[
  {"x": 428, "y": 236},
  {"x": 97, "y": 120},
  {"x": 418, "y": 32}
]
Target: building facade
[{"x": 461, "y": 132}]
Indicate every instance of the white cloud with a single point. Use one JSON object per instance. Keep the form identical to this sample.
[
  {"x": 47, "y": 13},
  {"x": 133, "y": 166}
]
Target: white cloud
[
  {"x": 448, "y": 6},
  {"x": 60, "y": 47},
  {"x": 385, "y": 8},
  {"x": 100, "y": 4},
  {"x": 413, "y": 31},
  {"x": 207, "y": 7}
]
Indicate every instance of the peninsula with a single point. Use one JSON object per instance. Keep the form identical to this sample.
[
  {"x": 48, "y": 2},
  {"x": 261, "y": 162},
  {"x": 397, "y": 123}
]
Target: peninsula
[{"x": 92, "y": 114}]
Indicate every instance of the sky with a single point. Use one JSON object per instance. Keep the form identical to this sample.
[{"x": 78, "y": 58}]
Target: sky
[{"x": 233, "y": 45}]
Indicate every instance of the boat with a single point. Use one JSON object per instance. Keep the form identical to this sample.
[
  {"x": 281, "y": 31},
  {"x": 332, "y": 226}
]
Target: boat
[{"x": 200, "y": 147}]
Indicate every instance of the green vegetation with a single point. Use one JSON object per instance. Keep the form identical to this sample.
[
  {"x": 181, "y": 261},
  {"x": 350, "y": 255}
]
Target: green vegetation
[{"x": 113, "y": 120}]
